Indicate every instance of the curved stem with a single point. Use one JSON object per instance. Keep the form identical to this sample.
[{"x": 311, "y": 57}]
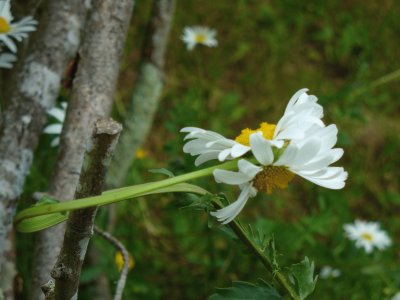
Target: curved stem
[
  {"x": 120, "y": 194},
  {"x": 241, "y": 234}
]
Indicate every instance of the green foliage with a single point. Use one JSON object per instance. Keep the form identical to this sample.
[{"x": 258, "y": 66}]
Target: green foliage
[
  {"x": 267, "y": 50},
  {"x": 163, "y": 171},
  {"x": 241, "y": 290},
  {"x": 302, "y": 276}
]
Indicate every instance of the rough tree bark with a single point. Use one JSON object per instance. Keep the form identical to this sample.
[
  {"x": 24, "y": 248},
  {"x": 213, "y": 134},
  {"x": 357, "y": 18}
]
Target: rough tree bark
[
  {"x": 147, "y": 91},
  {"x": 36, "y": 88},
  {"x": 92, "y": 94},
  {"x": 79, "y": 228}
]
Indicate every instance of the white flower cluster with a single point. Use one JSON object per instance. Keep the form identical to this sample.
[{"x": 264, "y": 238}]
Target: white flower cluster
[
  {"x": 299, "y": 144},
  {"x": 10, "y": 32}
]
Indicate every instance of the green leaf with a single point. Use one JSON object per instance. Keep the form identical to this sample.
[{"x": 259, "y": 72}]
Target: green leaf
[
  {"x": 46, "y": 200},
  {"x": 163, "y": 171},
  {"x": 271, "y": 253},
  {"x": 302, "y": 276},
  {"x": 48, "y": 216},
  {"x": 41, "y": 222},
  {"x": 241, "y": 290}
]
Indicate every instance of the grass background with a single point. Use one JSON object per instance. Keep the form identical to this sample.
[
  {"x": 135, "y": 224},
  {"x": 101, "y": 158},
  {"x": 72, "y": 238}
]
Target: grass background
[{"x": 343, "y": 52}]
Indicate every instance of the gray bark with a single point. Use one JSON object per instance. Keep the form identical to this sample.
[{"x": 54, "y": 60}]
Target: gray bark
[
  {"x": 80, "y": 223},
  {"x": 36, "y": 88},
  {"x": 92, "y": 94},
  {"x": 147, "y": 92}
]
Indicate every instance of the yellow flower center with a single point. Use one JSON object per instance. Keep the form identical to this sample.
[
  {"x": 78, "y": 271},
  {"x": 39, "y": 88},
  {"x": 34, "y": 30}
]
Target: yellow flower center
[
  {"x": 272, "y": 177},
  {"x": 200, "y": 38},
  {"x": 4, "y": 26},
  {"x": 266, "y": 129},
  {"x": 367, "y": 236}
]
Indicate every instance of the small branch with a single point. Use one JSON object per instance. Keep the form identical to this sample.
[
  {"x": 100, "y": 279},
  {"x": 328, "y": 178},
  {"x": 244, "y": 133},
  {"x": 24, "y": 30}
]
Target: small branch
[
  {"x": 79, "y": 229},
  {"x": 147, "y": 91},
  {"x": 256, "y": 251},
  {"x": 125, "y": 255}
]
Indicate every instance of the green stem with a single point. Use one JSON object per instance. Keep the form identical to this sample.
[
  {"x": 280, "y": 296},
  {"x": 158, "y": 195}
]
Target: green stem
[
  {"x": 120, "y": 194},
  {"x": 276, "y": 274}
]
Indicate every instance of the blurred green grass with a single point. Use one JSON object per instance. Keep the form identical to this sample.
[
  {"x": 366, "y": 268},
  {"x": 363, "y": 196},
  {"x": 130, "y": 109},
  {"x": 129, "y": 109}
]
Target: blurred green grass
[{"x": 267, "y": 50}]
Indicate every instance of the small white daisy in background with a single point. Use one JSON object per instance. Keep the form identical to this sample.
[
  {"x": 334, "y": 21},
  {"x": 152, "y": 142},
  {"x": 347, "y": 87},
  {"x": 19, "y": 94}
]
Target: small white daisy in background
[
  {"x": 10, "y": 30},
  {"x": 329, "y": 272},
  {"x": 199, "y": 35},
  {"x": 6, "y": 60},
  {"x": 396, "y": 296},
  {"x": 367, "y": 235},
  {"x": 59, "y": 114},
  {"x": 299, "y": 144}
]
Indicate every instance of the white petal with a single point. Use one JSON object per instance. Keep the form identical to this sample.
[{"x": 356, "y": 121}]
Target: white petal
[
  {"x": 53, "y": 129},
  {"x": 55, "y": 142},
  {"x": 239, "y": 150},
  {"x": 294, "y": 98},
  {"x": 57, "y": 113},
  {"x": 261, "y": 149},
  {"x": 204, "y": 157},
  {"x": 230, "y": 177},
  {"x": 224, "y": 154},
  {"x": 248, "y": 168},
  {"x": 288, "y": 156},
  {"x": 308, "y": 151},
  {"x": 227, "y": 214}
]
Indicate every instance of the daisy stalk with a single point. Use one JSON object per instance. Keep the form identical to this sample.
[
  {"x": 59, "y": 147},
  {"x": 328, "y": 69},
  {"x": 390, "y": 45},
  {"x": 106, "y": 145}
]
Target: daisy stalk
[
  {"x": 173, "y": 184},
  {"x": 31, "y": 219}
]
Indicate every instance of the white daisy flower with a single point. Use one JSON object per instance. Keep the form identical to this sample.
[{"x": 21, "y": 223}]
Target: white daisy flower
[
  {"x": 10, "y": 30},
  {"x": 300, "y": 144},
  {"x": 6, "y": 60},
  {"x": 59, "y": 114},
  {"x": 199, "y": 35},
  {"x": 302, "y": 113},
  {"x": 275, "y": 168},
  {"x": 367, "y": 235},
  {"x": 329, "y": 272}
]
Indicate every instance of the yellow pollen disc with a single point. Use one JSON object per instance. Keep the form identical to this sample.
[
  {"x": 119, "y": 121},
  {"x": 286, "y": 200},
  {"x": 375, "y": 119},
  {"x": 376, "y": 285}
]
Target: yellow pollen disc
[
  {"x": 4, "y": 26},
  {"x": 367, "y": 236},
  {"x": 200, "y": 38},
  {"x": 266, "y": 129},
  {"x": 272, "y": 177}
]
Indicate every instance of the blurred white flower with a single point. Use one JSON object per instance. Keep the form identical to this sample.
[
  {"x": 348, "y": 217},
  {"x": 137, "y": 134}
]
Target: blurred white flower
[
  {"x": 10, "y": 30},
  {"x": 55, "y": 129},
  {"x": 329, "y": 272},
  {"x": 6, "y": 60},
  {"x": 367, "y": 235},
  {"x": 396, "y": 296},
  {"x": 199, "y": 35},
  {"x": 299, "y": 144}
]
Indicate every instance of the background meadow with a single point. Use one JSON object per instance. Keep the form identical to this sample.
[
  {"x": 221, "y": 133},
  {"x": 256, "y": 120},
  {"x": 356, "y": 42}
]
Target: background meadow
[{"x": 347, "y": 54}]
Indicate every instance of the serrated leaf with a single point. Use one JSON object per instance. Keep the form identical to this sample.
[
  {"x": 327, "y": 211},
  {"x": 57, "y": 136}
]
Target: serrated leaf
[
  {"x": 163, "y": 171},
  {"x": 271, "y": 253},
  {"x": 242, "y": 290},
  {"x": 302, "y": 276}
]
